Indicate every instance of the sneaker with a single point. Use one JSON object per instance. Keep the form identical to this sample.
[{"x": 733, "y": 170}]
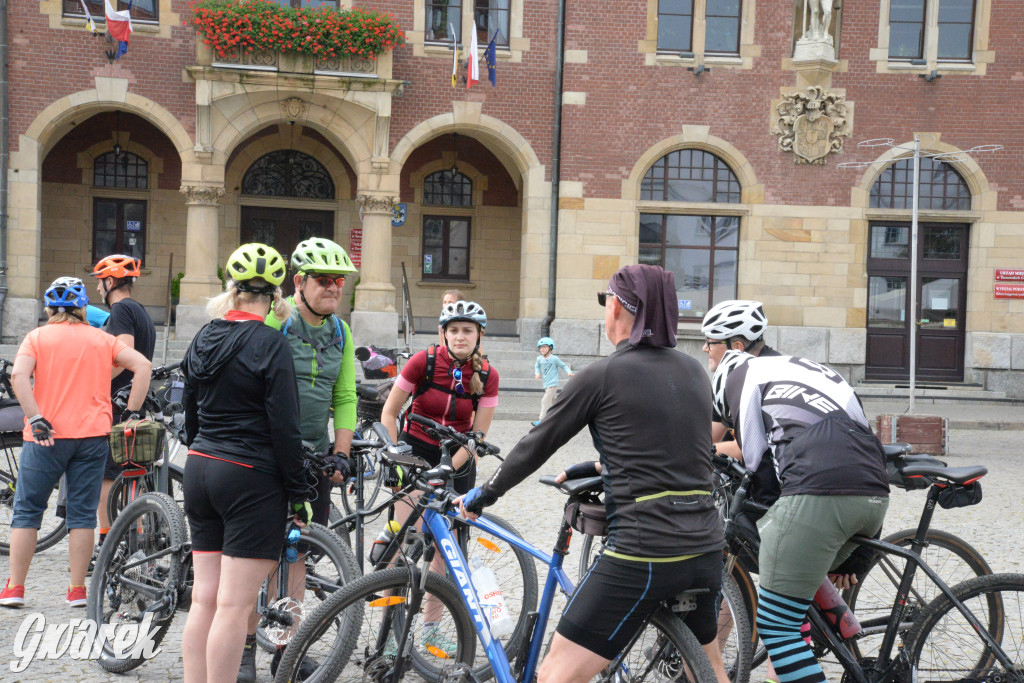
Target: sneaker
[
  {"x": 535, "y": 423},
  {"x": 12, "y": 596},
  {"x": 247, "y": 669},
  {"x": 307, "y": 668},
  {"x": 434, "y": 638},
  {"x": 76, "y": 596}
]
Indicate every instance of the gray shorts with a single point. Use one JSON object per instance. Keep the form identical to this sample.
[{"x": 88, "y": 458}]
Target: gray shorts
[{"x": 803, "y": 537}]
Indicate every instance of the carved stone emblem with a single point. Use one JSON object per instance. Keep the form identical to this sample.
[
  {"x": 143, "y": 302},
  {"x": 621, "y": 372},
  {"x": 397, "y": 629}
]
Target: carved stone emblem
[
  {"x": 811, "y": 124},
  {"x": 293, "y": 108}
]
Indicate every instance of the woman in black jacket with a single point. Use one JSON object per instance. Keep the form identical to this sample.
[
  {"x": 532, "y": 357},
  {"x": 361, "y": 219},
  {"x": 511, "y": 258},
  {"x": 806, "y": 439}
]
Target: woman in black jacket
[{"x": 244, "y": 473}]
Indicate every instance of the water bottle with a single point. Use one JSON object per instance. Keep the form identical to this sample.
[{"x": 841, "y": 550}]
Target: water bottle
[
  {"x": 836, "y": 610},
  {"x": 488, "y": 592},
  {"x": 381, "y": 542},
  {"x": 291, "y": 550}
]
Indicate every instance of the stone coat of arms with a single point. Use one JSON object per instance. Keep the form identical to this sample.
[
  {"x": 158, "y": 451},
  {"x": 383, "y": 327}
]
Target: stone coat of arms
[{"x": 811, "y": 124}]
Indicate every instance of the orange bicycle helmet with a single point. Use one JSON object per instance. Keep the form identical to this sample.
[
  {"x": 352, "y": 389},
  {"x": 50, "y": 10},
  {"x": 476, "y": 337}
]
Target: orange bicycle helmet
[{"x": 117, "y": 265}]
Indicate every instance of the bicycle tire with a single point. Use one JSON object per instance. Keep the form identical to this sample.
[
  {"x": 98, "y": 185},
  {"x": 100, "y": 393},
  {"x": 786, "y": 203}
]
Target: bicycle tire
[
  {"x": 370, "y": 593},
  {"x": 937, "y": 630},
  {"x": 588, "y": 554},
  {"x": 372, "y": 486},
  {"x": 150, "y": 524},
  {"x": 737, "y": 641},
  {"x": 323, "y": 544},
  {"x": 517, "y": 578},
  {"x": 52, "y": 528},
  {"x": 122, "y": 494},
  {"x": 665, "y": 650},
  {"x": 953, "y": 558}
]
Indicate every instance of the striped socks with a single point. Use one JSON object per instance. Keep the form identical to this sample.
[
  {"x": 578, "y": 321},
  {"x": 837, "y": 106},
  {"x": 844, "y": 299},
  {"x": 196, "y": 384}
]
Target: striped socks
[{"x": 779, "y": 619}]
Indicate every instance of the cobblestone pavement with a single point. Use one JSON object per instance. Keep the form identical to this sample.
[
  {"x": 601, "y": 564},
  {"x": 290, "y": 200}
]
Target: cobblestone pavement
[{"x": 995, "y": 527}]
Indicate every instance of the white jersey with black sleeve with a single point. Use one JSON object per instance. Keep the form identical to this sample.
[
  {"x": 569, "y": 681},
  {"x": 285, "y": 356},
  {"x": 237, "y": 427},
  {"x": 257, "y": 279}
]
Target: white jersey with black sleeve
[{"x": 812, "y": 421}]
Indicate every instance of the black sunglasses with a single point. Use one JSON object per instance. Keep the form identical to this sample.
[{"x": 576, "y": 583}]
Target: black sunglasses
[{"x": 602, "y": 297}]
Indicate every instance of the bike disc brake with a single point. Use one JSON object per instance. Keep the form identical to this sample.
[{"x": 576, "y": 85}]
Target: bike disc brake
[{"x": 277, "y": 631}]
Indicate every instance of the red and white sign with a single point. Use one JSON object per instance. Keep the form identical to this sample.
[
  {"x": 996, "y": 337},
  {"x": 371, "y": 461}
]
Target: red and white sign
[
  {"x": 355, "y": 246},
  {"x": 1011, "y": 274},
  {"x": 1006, "y": 290}
]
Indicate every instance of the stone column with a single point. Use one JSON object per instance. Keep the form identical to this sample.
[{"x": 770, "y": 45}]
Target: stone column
[
  {"x": 374, "y": 320},
  {"x": 202, "y": 231}
]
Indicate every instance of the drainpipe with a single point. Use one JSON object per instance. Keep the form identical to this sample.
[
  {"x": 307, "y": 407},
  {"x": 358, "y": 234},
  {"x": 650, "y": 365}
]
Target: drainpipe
[
  {"x": 4, "y": 159},
  {"x": 545, "y": 328}
]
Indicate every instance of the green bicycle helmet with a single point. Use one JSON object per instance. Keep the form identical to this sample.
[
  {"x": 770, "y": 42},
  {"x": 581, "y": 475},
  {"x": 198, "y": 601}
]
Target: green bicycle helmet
[
  {"x": 319, "y": 255},
  {"x": 256, "y": 260}
]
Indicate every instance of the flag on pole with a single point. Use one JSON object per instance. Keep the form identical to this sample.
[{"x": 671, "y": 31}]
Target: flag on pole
[
  {"x": 119, "y": 26},
  {"x": 455, "y": 57},
  {"x": 473, "y": 70},
  {"x": 491, "y": 55},
  {"x": 88, "y": 17}
]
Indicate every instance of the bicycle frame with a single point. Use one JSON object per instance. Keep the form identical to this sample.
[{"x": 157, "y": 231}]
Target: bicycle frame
[{"x": 444, "y": 539}]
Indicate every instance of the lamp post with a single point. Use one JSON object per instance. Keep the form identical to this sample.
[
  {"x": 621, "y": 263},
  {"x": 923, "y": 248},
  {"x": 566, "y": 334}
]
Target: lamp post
[{"x": 940, "y": 156}]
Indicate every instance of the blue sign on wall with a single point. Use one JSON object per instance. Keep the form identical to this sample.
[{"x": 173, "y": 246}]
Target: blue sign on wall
[{"x": 685, "y": 304}]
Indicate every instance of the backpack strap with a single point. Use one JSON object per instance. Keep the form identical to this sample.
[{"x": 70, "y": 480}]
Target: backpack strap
[
  {"x": 339, "y": 338},
  {"x": 428, "y": 383}
]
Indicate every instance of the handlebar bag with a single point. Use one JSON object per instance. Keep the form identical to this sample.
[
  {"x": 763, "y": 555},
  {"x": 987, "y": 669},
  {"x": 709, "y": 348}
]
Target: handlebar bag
[
  {"x": 136, "y": 442},
  {"x": 587, "y": 518}
]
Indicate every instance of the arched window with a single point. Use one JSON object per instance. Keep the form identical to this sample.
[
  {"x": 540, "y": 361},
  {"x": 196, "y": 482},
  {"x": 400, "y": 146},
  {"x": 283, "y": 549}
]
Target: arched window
[
  {"x": 940, "y": 187},
  {"x": 444, "y": 188},
  {"x": 700, "y": 247},
  {"x": 124, "y": 170},
  {"x": 288, "y": 173}
]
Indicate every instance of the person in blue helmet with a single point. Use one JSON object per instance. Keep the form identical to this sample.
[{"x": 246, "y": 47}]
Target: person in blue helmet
[{"x": 546, "y": 369}]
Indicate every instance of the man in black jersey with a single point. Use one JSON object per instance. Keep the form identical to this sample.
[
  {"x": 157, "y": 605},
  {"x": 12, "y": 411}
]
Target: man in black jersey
[
  {"x": 130, "y": 323},
  {"x": 648, "y": 408}
]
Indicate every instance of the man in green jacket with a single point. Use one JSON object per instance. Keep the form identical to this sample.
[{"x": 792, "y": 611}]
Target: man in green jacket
[{"x": 323, "y": 350}]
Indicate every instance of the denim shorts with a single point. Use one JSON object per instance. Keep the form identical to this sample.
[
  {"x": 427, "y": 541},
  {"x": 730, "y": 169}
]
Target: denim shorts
[{"x": 39, "y": 470}]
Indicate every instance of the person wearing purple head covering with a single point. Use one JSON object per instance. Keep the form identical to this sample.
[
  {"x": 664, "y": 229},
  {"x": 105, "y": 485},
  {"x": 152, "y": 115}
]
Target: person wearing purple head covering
[
  {"x": 649, "y": 294},
  {"x": 648, "y": 408}
]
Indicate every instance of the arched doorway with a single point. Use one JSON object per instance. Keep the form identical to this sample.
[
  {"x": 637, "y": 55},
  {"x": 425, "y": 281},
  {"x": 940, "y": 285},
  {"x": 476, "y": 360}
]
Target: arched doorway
[{"x": 942, "y": 257}]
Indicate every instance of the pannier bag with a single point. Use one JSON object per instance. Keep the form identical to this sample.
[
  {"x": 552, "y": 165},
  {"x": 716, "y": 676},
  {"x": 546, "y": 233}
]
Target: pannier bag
[
  {"x": 137, "y": 442},
  {"x": 587, "y": 518}
]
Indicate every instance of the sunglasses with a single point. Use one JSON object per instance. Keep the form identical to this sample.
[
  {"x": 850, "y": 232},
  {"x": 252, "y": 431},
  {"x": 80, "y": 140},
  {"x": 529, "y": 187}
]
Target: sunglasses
[
  {"x": 711, "y": 342},
  {"x": 602, "y": 297},
  {"x": 457, "y": 374},
  {"x": 326, "y": 281}
]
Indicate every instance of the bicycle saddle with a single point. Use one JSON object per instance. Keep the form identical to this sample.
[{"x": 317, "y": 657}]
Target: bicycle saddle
[
  {"x": 574, "y": 487},
  {"x": 367, "y": 392},
  {"x": 893, "y": 450},
  {"x": 956, "y": 475}
]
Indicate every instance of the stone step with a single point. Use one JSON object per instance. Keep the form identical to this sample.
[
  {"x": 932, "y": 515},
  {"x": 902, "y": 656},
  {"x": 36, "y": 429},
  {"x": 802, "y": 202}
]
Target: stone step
[{"x": 951, "y": 392}]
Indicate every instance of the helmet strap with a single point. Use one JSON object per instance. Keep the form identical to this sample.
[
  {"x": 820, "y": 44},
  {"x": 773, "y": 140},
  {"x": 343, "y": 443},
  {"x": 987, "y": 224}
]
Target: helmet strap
[
  {"x": 302, "y": 295},
  {"x": 451, "y": 354},
  {"x": 121, "y": 282},
  {"x": 244, "y": 286}
]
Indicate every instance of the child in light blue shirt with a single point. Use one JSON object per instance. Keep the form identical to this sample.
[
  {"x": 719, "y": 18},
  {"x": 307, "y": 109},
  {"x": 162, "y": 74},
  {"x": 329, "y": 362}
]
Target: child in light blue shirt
[{"x": 546, "y": 368}]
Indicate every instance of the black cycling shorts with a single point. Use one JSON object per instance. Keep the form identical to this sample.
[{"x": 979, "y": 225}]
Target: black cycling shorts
[
  {"x": 463, "y": 480},
  {"x": 233, "y": 509},
  {"x": 617, "y": 596}
]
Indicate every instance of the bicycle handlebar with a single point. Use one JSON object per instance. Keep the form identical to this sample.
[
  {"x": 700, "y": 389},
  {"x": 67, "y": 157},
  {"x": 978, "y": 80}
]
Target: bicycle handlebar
[{"x": 472, "y": 441}]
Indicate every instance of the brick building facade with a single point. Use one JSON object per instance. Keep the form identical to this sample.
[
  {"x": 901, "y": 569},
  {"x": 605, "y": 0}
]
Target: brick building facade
[{"x": 672, "y": 116}]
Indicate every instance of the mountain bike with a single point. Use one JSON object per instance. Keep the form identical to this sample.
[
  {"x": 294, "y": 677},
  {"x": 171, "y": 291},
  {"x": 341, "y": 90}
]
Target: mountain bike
[
  {"x": 12, "y": 420},
  {"x": 418, "y": 621},
  {"x": 145, "y": 562},
  {"x": 512, "y": 567},
  {"x": 959, "y": 635}
]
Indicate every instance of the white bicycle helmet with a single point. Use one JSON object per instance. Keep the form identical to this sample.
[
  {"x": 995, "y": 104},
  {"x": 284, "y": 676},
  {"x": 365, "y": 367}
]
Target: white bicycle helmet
[
  {"x": 730, "y": 361},
  {"x": 735, "y": 318},
  {"x": 463, "y": 310}
]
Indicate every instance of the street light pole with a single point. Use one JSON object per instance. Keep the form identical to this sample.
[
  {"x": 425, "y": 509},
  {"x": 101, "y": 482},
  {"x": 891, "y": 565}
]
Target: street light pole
[{"x": 912, "y": 314}]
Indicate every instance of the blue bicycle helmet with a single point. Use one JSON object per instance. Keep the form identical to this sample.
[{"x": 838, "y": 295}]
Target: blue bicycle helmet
[
  {"x": 546, "y": 341},
  {"x": 66, "y": 292}
]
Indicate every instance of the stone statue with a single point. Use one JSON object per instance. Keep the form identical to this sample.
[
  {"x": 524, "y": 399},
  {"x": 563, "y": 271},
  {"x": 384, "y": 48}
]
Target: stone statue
[{"x": 817, "y": 18}]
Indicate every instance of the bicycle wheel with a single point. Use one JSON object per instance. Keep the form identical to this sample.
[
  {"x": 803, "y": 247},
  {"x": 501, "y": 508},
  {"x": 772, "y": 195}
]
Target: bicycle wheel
[
  {"x": 151, "y": 524},
  {"x": 374, "y": 611},
  {"x": 344, "y": 496},
  {"x": 52, "y": 527},
  {"x": 590, "y": 550},
  {"x": 944, "y": 647},
  {"x": 666, "y": 650},
  {"x": 515, "y": 573},
  {"x": 952, "y": 558},
  {"x": 122, "y": 492},
  {"x": 328, "y": 563},
  {"x": 735, "y": 638}
]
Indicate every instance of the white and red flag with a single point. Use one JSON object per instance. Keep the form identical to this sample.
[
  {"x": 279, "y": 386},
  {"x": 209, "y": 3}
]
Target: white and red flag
[
  {"x": 119, "y": 26},
  {"x": 473, "y": 73}
]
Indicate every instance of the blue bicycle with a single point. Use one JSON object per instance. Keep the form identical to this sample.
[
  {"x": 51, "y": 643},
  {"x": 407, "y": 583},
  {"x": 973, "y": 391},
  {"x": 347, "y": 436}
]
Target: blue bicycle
[{"x": 420, "y": 622}]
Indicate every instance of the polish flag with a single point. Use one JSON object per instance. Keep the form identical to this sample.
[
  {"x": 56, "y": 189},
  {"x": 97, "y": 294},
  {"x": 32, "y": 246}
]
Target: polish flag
[
  {"x": 473, "y": 76},
  {"x": 119, "y": 24}
]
